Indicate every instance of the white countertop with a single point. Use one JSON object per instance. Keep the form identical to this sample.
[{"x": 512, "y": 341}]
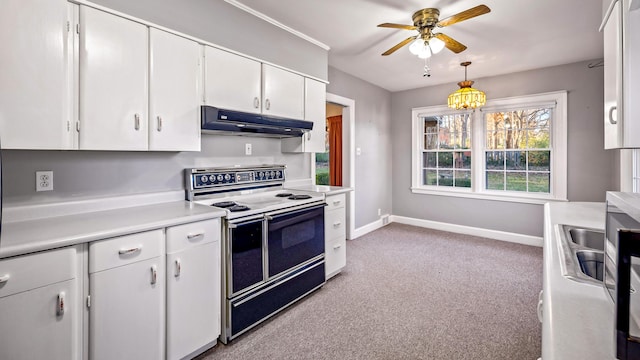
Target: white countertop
[
  {"x": 322, "y": 189},
  {"x": 21, "y": 237},
  {"x": 578, "y": 317}
]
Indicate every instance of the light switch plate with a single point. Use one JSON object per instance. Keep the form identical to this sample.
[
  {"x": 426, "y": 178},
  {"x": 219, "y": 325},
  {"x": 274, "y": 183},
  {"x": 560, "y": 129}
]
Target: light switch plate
[{"x": 247, "y": 149}]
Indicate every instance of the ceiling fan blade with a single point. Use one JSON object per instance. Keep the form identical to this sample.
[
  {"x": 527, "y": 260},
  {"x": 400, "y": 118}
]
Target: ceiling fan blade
[
  {"x": 465, "y": 15},
  {"x": 399, "y": 45},
  {"x": 450, "y": 43},
  {"x": 398, "y": 26}
]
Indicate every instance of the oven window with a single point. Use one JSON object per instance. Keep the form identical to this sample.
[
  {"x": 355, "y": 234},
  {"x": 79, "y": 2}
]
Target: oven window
[
  {"x": 295, "y": 238},
  {"x": 246, "y": 255}
]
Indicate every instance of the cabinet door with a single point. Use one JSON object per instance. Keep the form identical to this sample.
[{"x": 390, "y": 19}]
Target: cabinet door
[
  {"x": 612, "y": 75},
  {"x": 34, "y": 328},
  {"x": 113, "y": 82},
  {"x": 193, "y": 299},
  {"x": 315, "y": 109},
  {"x": 282, "y": 93},
  {"x": 36, "y": 75},
  {"x": 232, "y": 81},
  {"x": 175, "y": 92},
  {"x": 126, "y": 317}
]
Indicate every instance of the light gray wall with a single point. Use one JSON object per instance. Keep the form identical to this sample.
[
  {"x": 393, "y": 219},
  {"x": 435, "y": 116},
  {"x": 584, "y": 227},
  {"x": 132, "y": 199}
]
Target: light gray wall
[
  {"x": 589, "y": 169},
  {"x": 87, "y": 174},
  {"x": 225, "y": 25},
  {"x": 372, "y": 133}
]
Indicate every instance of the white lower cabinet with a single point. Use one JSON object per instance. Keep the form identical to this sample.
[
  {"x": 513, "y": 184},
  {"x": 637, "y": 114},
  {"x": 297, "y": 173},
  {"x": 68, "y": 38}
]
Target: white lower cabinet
[
  {"x": 40, "y": 315},
  {"x": 127, "y": 297},
  {"x": 193, "y": 288},
  {"x": 335, "y": 235}
]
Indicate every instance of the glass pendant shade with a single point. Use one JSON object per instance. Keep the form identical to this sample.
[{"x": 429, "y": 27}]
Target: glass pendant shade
[
  {"x": 425, "y": 52},
  {"x": 466, "y": 97},
  {"x": 436, "y": 45},
  {"x": 416, "y": 46}
]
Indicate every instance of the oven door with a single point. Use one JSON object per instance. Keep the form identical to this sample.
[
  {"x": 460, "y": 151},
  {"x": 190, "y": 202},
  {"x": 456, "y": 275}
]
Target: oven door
[
  {"x": 294, "y": 238},
  {"x": 245, "y": 255}
]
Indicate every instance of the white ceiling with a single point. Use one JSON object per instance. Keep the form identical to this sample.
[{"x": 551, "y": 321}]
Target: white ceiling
[{"x": 516, "y": 35}]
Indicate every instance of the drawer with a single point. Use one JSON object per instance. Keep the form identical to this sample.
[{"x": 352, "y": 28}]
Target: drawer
[
  {"x": 336, "y": 201},
  {"x": 334, "y": 224},
  {"x": 32, "y": 271},
  {"x": 186, "y": 236},
  {"x": 123, "y": 250},
  {"x": 335, "y": 256}
]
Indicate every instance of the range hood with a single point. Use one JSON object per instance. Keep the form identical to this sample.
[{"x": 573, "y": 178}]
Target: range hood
[{"x": 228, "y": 122}]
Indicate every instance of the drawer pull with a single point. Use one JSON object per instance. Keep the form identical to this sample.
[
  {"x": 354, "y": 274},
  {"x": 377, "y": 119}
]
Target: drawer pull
[
  {"x": 4, "y": 278},
  {"x": 154, "y": 274},
  {"x": 61, "y": 304},
  {"x": 130, "y": 251},
  {"x": 337, "y": 246},
  {"x": 267, "y": 104},
  {"x": 194, "y": 236},
  {"x": 136, "y": 118},
  {"x": 336, "y": 202},
  {"x": 178, "y": 268},
  {"x": 337, "y": 223},
  {"x": 159, "y": 123},
  {"x": 611, "y": 110},
  {"x": 256, "y": 102}
]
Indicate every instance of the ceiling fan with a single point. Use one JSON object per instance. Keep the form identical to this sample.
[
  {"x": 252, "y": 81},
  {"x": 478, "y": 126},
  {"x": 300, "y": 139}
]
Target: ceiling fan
[{"x": 426, "y": 20}]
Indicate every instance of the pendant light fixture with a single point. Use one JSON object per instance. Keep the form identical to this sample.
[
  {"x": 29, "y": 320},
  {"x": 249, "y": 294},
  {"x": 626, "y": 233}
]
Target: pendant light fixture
[{"x": 466, "y": 97}]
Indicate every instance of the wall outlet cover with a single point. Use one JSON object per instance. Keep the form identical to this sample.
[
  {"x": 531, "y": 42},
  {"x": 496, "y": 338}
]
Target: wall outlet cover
[
  {"x": 247, "y": 149},
  {"x": 44, "y": 180}
]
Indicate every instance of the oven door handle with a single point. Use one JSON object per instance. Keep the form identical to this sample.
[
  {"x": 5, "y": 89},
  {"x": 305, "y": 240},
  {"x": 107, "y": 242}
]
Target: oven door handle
[
  {"x": 295, "y": 217},
  {"x": 293, "y": 210}
]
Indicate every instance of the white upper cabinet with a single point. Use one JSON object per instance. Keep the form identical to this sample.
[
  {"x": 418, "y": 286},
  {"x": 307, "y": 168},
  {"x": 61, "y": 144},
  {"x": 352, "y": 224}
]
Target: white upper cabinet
[
  {"x": 231, "y": 81},
  {"x": 238, "y": 83},
  {"x": 315, "y": 95},
  {"x": 282, "y": 93},
  {"x": 621, "y": 77},
  {"x": 175, "y": 92},
  {"x": 36, "y": 69},
  {"x": 113, "y": 82}
]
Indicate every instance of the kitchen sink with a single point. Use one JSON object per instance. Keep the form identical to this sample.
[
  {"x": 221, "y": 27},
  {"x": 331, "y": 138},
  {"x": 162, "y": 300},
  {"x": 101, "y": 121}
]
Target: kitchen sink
[
  {"x": 582, "y": 253},
  {"x": 591, "y": 263},
  {"x": 593, "y": 239}
]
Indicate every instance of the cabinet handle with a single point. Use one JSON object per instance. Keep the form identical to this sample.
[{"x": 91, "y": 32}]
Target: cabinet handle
[
  {"x": 308, "y": 135},
  {"x": 194, "y": 236},
  {"x": 611, "y": 110},
  {"x": 178, "y": 268},
  {"x": 337, "y": 246},
  {"x": 159, "y": 123},
  {"x": 336, "y": 202},
  {"x": 129, "y": 251},
  {"x": 540, "y": 305},
  {"x": 267, "y": 104},
  {"x": 256, "y": 102},
  {"x": 61, "y": 304},
  {"x": 137, "y": 121},
  {"x": 336, "y": 224},
  {"x": 4, "y": 278},
  {"x": 154, "y": 274}
]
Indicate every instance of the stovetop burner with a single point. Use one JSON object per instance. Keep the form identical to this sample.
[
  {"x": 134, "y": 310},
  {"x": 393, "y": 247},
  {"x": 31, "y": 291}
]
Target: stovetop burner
[
  {"x": 236, "y": 208},
  {"x": 299, "y": 197},
  {"x": 224, "y": 204},
  {"x": 285, "y": 194}
]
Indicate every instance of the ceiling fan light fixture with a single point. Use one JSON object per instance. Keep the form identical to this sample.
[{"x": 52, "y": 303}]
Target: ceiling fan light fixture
[
  {"x": 436, "y": 45},
  {"x": 466, "y": 97}
]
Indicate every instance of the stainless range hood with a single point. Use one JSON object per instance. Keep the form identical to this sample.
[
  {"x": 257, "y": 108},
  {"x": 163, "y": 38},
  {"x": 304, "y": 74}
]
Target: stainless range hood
[{"x": 228, "y": 122}]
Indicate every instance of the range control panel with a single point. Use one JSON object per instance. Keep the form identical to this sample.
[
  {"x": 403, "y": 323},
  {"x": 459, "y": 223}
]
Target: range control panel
[{"x": 209, "y": 178}]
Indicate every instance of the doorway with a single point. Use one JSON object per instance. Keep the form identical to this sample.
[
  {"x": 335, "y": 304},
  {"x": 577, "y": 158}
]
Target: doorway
[{"x": 329, "y": 163}]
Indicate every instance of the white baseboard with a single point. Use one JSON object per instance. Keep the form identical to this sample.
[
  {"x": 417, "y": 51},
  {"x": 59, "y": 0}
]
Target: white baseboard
[
  {"x": 467, "y": 230},
  {"x": 363, "y": 230}
]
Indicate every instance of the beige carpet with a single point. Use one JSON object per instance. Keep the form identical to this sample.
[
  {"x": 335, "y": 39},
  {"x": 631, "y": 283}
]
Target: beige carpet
[{"x": 411, "y": 293}]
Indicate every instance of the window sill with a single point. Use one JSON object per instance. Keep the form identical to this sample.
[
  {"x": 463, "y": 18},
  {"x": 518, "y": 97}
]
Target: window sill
[{"x": 466, "y": 193}]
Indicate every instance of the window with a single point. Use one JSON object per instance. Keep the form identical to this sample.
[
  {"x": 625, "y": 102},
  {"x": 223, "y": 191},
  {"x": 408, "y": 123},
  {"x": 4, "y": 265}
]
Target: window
[{"x": 513, "y": 149}]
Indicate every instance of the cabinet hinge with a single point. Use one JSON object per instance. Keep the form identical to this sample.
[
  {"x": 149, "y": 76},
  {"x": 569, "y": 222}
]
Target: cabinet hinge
[
  {"x": 68, "y": 126},
  {"x": 68, "y": 26},
  {"x": 89, "y": 301}
]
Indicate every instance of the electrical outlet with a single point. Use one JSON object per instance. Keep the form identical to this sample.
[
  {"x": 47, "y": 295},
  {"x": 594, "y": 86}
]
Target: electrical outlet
[
  {"x": 358, "y": 151},
  {"x": 247, "y": 149},
  {"x": 44, "y": 180}
]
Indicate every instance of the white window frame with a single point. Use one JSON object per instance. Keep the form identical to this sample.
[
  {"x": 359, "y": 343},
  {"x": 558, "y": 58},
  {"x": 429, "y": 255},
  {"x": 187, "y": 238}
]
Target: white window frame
[{"x": 558, "y": 145}]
